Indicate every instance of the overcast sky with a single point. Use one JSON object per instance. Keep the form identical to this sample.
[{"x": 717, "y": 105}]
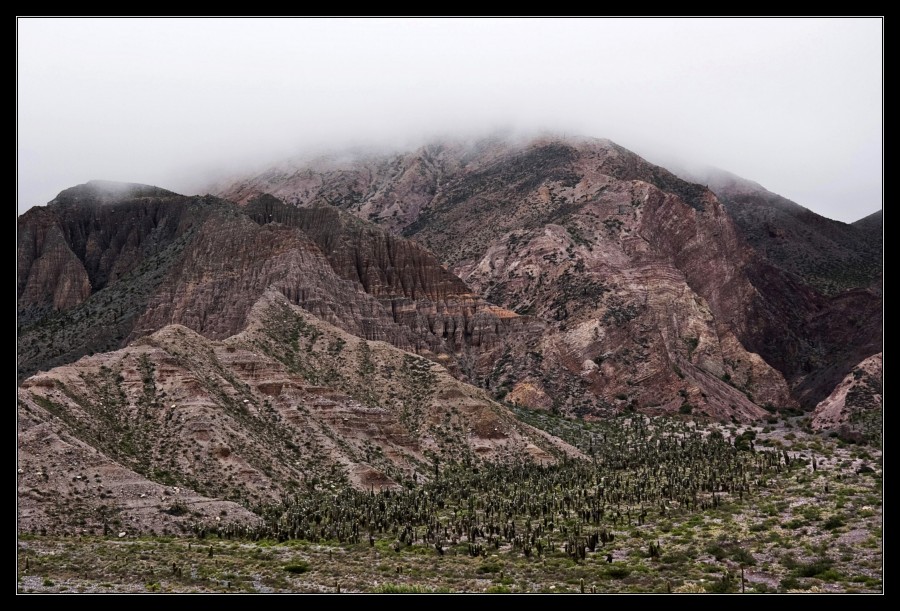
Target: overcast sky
[{"x": 795, "y": 105}]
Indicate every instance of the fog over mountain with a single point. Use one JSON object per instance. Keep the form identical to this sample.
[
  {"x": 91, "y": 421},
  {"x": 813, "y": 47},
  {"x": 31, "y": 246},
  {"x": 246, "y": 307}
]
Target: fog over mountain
[{"x": 795, "y": 105}]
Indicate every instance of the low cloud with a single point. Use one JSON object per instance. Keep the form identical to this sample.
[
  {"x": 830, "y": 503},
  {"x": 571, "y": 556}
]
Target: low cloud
[{"x": 795, "y": 105}]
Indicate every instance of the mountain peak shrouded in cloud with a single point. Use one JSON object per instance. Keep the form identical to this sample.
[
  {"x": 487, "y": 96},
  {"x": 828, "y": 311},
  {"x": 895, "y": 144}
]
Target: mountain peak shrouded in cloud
[
  {"x": 624, "y": 279},
  {"x": 497, "y": 211},
  {"x": 793, "y": 104},
  {"x": 106, "y": 191}
]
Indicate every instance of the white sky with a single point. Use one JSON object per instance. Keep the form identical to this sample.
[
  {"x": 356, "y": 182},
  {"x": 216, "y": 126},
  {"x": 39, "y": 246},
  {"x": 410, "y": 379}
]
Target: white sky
[{"x": 794, "y": 104}]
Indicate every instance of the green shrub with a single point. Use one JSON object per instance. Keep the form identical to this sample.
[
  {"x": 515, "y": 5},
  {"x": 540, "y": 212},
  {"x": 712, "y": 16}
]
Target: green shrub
[
  {"x": 498, "y": 590},
  {"x": 297, "y": 567},
  {"x": 724, "y": 585},
  {"x": 814, "y": 568},
  {"x": 618, "y": 572},
  {"x": 835, "y": 521}
]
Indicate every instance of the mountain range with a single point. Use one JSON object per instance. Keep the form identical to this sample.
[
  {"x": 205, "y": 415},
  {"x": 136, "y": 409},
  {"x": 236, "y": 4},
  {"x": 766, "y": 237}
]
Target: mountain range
[{"x": 360, "y": 318}]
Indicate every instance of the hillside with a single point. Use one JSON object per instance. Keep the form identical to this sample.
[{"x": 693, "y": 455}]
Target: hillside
[
  {"x": 579, "y": 233},
  {"x": 828, "y": 255},
  {"x": 289, "y": 403}
]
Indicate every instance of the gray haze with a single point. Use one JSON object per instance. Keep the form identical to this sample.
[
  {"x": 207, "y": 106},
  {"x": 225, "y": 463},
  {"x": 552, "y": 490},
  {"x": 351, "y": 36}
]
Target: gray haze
[{"x": 795, "y": 105}]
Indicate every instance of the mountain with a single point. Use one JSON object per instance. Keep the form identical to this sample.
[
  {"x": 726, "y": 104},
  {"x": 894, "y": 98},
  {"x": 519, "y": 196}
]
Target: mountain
[
  {"x": 66, "y": 486},
  {"x": 650, "y": 289},
  {"x": 872, "y": 225},
  {"x": 843, "y": 262},
  {"x": 564, "y": 274},
  {"x": 88, "y": 265},
  {"x": 854, "y": 407},
  {"x": 143, "y": 263},
  {"x": 202, "y": 262},
  {"x": 828, "y": 255},
  {"x": 289, "y": 402}
]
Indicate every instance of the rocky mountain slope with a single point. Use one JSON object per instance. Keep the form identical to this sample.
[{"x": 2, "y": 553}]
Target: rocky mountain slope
[
  {"x": 648, "y": 285},
  {"x": 65, "y": 485},
  {"x": 872, "y": 228},
  {"x": 872, "y": 225},
  {"x": 89, "y": 263},
  {"x": 147, "y": 262},
  {"x": 290, "y": 402},
  {"x": 843, "y": 262},
  {"x": 828, "y": 255},
  {"x": 854, "y": 408},
  {"x": 441, "y": 317}
]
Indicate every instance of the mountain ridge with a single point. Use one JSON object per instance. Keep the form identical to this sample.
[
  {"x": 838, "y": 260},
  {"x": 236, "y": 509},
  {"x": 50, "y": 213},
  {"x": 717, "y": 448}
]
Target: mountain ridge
[
  {"x": 537, "y": 208},
  {"x": 455, "y": 191},
  {"x": 255, "y": 416}
]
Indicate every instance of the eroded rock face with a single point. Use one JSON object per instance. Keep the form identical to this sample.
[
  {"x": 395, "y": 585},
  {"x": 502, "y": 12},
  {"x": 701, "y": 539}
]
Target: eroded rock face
[
  {"x": 566, "y": 230},
  {"x": 633, "y": 282},
  {"x": 854, "y": 407},
  {"x": 88, "y": 237},
  {"x": 358, "y": 278},
  {"x": 90, "y": 261},
  {"x": 443, "y": 317},
  {"x": 290, "y": 401},
  {"x": 202, "y": 263},
  {"x": 50, "y": 275}
]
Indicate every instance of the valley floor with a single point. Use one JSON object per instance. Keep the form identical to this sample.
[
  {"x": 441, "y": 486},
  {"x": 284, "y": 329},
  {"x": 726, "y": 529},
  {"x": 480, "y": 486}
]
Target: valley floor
[{"x": 810, "y": 529}]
